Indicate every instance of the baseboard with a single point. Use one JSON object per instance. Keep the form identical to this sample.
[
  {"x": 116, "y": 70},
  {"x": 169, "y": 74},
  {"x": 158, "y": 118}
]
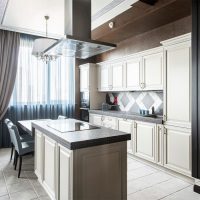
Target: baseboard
[{"x": 196, "y": 188}]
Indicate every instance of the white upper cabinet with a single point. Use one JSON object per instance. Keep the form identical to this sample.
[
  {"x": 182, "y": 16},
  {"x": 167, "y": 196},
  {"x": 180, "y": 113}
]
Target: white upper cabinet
[
  {"x": 84, "y": 78},
  {"x": 177, "y": 108},
  {"x": 153, "y": 72},
  {"x": 141, "y": 71},
  {"x": 133, "y": 74},
  {"x": 117, "y": 76},
  {"x": 104, "y": 75}
]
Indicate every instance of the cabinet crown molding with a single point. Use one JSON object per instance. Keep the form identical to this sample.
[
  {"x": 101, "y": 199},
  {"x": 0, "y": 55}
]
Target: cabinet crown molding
[
  {"x": 177, "y": 40},
  {"x": 87, "y": 65},
  {"x": 133, "y": 55}
]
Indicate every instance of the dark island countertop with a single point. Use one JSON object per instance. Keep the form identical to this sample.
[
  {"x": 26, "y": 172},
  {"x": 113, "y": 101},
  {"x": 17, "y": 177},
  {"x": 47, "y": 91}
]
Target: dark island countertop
[
  {"x": 80, "y": 139},
  {"x": 128, "y": 115}
]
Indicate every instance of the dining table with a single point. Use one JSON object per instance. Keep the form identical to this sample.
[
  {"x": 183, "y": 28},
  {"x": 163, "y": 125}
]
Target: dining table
[{"x": 26, "y": 125}]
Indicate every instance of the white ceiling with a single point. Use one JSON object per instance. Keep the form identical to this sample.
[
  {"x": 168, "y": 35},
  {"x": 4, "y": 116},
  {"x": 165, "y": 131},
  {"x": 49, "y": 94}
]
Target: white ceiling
[{"x": 27, "y": 16}]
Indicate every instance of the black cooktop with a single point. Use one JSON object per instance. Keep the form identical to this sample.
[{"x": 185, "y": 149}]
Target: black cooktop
[{"x": 64, "y": 126}]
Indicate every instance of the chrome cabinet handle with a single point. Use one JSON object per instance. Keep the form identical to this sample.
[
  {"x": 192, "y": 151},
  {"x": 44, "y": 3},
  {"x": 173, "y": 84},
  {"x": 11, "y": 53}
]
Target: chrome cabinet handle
[
  {"x": 142, "y": 85},
  {"x": 110, "y": 87}
]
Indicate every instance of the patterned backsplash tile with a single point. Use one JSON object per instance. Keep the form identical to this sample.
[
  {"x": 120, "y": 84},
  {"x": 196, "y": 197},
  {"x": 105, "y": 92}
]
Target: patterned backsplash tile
[{"x": 134, "y": 101}]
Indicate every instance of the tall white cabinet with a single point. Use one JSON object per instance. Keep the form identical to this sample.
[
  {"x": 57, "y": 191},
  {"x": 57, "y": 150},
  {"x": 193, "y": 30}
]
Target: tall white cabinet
[
  {"x": 177, "y": 107},
  {"x": 89, "y": 83}
]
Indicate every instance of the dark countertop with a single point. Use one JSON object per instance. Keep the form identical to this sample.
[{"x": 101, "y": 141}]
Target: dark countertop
[
  {"x": 127, "y": 115},
  {"x": 81, "y": 139}
]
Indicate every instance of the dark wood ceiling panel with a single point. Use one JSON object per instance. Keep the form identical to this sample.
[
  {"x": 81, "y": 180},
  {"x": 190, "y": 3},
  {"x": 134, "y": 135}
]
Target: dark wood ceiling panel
[
  {"x": 150, "y": 2},
  {"x": 142, "y": 18}
]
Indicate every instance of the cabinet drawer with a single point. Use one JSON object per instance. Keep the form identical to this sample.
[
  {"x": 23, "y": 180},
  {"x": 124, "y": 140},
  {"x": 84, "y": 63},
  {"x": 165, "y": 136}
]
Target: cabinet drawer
[
  {"x": 125, "y": 126},
  {"x": 110, "y": 122},
  {"x": 95, "y": 119}
]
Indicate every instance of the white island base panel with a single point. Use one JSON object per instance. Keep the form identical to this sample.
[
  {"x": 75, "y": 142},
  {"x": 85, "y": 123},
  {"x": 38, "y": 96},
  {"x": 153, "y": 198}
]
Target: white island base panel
[{"x": 98, "y": 172}]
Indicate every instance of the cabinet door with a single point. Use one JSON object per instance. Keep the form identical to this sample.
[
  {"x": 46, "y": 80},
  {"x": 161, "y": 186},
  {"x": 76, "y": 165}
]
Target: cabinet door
[
  {"x": 96, "y": 119},
  {"x": 153, "y": 72},
  {"x": 117, "y": 76},
  {"x": 160, "y": 145},
  {"x": 133, "y": 74},
  {"x": 127, "y": 127},
  {"x": 66, "y": 174},
  {"x": 177, "y": 149},
  {"x": 110, "y": 122},
  {"x": 104, "y": 77},
  {"x": 39, "y": 155},
  {"x": 84, "y": 78},
  {"x": 50, "y": 161},
  {"x": 178, "y": 92},
  {"x": 145, "y": 140}
]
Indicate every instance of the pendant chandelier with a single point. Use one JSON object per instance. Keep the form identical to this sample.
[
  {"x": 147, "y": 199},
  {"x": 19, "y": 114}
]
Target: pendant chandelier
[{"x": 42, "y": 44}]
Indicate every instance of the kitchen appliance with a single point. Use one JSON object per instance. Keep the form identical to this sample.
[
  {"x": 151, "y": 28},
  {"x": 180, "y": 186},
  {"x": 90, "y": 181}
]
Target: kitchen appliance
[
  {"x": 70, "y": 126},
  {"x": 85, "y": 105},
  {"x": 77, "y": 42},
  {"x": 90, "y": 97},
  {"x": 84, "y": 114},
  {"x": 85, "y": 99}
]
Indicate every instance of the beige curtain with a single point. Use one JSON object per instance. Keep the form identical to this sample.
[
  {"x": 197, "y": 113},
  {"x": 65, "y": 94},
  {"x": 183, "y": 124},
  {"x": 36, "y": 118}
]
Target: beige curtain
[{"x": 9, "y": 49}]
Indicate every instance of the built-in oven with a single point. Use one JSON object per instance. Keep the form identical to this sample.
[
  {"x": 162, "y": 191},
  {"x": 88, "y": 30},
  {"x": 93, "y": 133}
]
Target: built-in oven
[
  {"x": 85, "y": 106},
  {"x": 84, "y": 114},
  {"x": 85, "y": 100}
]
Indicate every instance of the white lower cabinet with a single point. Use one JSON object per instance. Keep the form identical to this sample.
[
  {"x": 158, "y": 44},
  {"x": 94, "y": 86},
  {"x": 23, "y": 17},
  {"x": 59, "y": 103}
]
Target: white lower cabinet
[
  {"x": 110, "y": 122},
  {"x": 39, "y": 149},
  {"x": 127, "y": 127},
  {"x": 177, "y": 149},
  {"x": 65, "y": 173},
  {"x": 50, "y": 178},
  {"x": 95, "y": 119},
  {"x": 168, "y": 146},
  {"x": 145, "y": 134}
]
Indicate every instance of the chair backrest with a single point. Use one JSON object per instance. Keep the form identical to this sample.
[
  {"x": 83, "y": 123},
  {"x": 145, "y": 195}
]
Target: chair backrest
[
  {"x": 61, "y": 117},
  {"x": 16, "y": 137},
  {"x": 6, "y": 121},
  {"x": 9, "y": 124}
]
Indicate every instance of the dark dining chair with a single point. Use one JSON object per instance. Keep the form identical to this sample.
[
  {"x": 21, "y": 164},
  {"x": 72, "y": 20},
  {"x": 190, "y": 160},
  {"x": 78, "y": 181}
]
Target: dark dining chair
[
  {"x": 21, "y": 148},
  {"x": 9, "y": 124},
  {"x": 23, "y": 137}
]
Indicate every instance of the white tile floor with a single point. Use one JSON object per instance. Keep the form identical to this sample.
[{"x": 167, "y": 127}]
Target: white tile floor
[
  {"x": 144, "y": 182},
  {"x": 148, "y": 183},
  {"x": 25, "y": 188}
]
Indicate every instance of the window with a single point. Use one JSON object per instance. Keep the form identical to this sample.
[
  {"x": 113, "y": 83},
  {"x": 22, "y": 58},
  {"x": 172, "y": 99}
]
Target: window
[{"x": 41, "y": 83}]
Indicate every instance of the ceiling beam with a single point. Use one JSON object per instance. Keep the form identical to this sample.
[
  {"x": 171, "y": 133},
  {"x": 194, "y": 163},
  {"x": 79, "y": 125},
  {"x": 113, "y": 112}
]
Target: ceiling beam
[{"x": 150, "y": 2}]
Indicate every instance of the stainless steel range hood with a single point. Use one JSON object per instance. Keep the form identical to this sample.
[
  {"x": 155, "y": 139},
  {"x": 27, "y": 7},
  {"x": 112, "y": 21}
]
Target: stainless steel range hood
[{"x": 78, "y": 41}]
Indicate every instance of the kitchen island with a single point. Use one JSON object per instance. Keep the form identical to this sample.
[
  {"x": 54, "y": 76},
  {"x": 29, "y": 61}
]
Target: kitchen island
[{"x": 75, "y": 160}]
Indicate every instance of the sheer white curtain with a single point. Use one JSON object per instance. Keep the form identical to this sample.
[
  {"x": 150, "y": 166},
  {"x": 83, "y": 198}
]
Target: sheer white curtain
[{"x": 43, "y": 90}]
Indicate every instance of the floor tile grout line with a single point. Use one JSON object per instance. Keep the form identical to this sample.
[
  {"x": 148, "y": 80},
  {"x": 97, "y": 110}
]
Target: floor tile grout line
[
  {"x": 150, "y": 186},
  {"x": 6, "y": 185},
  {"x": 141, "y": 177},
  {"x": 175, "y": 192},
  {"x": 34, "y": 189},
  {"x": 160, "y": 169}
]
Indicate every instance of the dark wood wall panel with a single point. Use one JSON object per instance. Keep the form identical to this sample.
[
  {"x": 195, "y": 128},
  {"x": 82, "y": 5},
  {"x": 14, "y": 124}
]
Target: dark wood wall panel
[{"x": 149, "y": 39}]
